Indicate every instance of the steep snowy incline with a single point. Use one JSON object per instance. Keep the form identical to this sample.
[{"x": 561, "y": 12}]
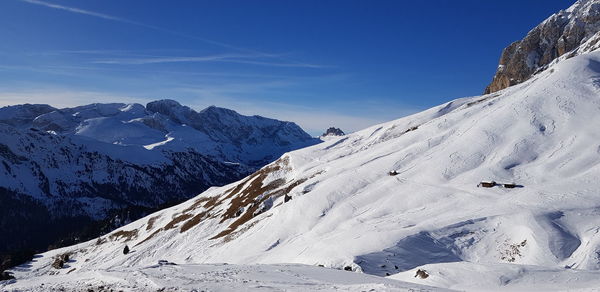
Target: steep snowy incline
[{"x": 403, "y": 196}]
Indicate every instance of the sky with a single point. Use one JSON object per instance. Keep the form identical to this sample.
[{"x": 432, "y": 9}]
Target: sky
[{"x": 319, "y": 63}]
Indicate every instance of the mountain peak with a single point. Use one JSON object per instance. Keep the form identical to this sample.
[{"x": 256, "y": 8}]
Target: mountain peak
[
  {"x": 333, "y": 131},
  {"x": 215, "y": 110},
  {"x": 23, "y": 114},
  {"x": 559, "y": 34}
]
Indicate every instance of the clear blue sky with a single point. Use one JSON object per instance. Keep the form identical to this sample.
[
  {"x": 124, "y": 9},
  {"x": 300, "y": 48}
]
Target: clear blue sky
[{"x": 348, "y": 64}]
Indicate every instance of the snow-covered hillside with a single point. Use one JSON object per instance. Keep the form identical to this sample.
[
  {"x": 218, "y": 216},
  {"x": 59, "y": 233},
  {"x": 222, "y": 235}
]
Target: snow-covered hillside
[
  {"x": 403, "y": 196},
  {"x": 88, "y": 161}
]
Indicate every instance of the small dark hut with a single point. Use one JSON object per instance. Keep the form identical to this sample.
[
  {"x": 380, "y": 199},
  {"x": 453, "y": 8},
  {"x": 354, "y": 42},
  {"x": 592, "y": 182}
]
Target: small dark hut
[{"x": 485, "y": 184}]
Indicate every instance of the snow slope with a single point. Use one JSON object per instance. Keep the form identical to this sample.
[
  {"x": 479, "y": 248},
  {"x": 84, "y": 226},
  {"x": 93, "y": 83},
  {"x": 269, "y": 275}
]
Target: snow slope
[
  {"x": 99, "y": 161},
  {"x": 216, "y": 277},
  {"x": 334, "y": 204}
]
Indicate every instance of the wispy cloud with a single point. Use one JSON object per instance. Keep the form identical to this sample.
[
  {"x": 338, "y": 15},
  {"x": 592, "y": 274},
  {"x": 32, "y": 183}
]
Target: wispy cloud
[
  {"x": 250, "y": 59},
  {"x": 61, "y": 98},
  {"x": 287, "y": 62},
  {"x": 132, "y": 22},
  {"x": 82, "y": 11},
  {"x": 156, "y": 60},
  {"x": 115, "y": 18},
  {"x": 274, "y": 64}
]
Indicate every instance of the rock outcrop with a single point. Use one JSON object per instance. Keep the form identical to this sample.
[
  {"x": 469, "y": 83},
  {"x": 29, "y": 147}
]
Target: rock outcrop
[
  {"x": 559, "y": 34},
  {"x": 332, "y": 131}
]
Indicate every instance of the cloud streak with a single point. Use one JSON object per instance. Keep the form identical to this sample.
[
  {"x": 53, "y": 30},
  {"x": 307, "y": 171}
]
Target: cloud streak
[
  {"x": 132, "y": 22},
  {"x": 82, "y": 11},
  {"x": 128, "y": 21},
  {"x": 249, "y": 59},
  {"x": 61, "y": 98}
]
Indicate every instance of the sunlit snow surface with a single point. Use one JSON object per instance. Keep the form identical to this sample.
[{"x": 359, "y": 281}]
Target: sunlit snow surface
[
  {"x": 217, "y": 277},
  {"x": 346, "y": 211}
]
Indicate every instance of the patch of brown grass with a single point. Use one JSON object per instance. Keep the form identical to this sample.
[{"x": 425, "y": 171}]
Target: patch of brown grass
[
  {"x": 197, "y": 204},
  {"x": 170, "y": 225},
  {"x": 248, "y": 197},
  {"x": 233, "y": 235},
  {"x": 150, "y": 223},
  {"x": 100, "y": 241},
  {"x": 176, "y": 220},
  {"x": 125, "y": 234},
  {"x": 193, "y": 222}
]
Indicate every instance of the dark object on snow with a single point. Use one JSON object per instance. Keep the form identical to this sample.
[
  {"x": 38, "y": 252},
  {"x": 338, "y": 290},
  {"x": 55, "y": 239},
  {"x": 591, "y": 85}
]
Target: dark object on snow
[
  {"x": 60, "y": 261},
  {"x": 287, "y": 198},
  {"x": 510, "y": 186},
  {"x": 348, "y": 268},
  {"x": 6, "y": 276},
  {"x": 126, "y": 250},
  {"x": 239, "y": 212},
  {"x": 485, "y": 184},
  {"x": 165, "y": 263},
  {"x": 422, "y": 274},
  {"x": 393, "y": 172},
  {"x": 411, "y": 129}
]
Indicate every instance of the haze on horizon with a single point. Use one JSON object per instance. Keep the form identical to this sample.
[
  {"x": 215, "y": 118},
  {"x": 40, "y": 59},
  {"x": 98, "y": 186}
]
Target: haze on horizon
[{"x": 347, "y": 64}]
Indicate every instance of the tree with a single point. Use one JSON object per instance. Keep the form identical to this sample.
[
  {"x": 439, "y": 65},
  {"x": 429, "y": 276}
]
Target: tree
[{"x": 126, "y": 250}]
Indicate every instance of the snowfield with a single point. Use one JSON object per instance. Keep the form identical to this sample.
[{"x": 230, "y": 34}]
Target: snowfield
[
  {"x": 217, "y": 277},
  {"x": 333, "y": 217}
]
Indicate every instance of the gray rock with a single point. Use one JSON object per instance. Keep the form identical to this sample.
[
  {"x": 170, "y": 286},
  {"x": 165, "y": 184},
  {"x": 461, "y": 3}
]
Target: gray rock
[{"x": 559, "y": 34}]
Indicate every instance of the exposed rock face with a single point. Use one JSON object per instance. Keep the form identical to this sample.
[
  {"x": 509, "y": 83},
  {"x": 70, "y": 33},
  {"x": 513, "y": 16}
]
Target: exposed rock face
[
  {"x": 561, "y": 33},
  {"x": 332, "y": 131}
]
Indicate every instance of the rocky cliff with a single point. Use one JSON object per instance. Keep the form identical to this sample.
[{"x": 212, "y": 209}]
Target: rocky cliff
[
  {"x": 333, "y": 131},
  {"x": 556, "y": 36}
]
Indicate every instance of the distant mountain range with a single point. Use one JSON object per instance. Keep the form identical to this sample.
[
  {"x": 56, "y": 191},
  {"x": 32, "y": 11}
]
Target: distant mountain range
[{"x": 112, "y": 163}]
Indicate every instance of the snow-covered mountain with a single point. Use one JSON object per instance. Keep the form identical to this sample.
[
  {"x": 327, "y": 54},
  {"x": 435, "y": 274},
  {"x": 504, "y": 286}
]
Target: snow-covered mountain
[
  {"x": 561, "y": 33},
  {"x": 87, "y": 161},
  {"x": 400, "y": 197},
  {"x": 217, "y": 132}
]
